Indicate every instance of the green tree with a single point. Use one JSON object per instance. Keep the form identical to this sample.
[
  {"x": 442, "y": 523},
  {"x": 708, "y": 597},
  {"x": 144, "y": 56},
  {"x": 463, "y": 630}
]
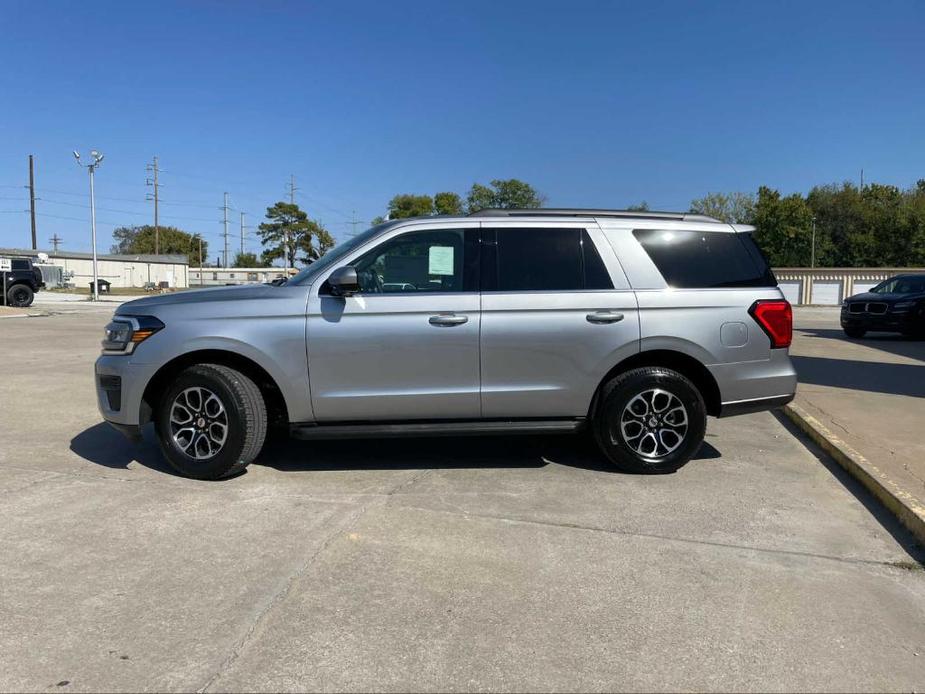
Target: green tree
[
  {"x": 407, "y": 205},
  {"x": 134, "y": 240},
  {"x": 734, "y": 208},
  {"x": 783, "y": 229},
  {"x": 503, "y": 194},
  {"x": 247, "y": 260},
  {"x": 289, "y": 230},
  {"x": 448, "y": 203},
  {"x": 640, "y": 207},
  {"x": 315, "y": 243}
]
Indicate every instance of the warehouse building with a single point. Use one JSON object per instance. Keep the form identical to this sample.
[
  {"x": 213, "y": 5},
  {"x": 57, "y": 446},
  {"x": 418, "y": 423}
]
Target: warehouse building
[{"x": 76, "y": 269}]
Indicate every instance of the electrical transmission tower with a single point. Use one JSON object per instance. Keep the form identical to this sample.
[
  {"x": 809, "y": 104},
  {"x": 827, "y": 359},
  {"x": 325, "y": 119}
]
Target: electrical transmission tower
[
  {"x": 224, "y": 209},
  {"x": 55, "y": 241},
  {"x": 153, "y": 182}
]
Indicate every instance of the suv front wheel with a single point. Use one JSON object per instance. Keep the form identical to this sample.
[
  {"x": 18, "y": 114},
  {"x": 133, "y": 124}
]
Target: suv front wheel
[
  {"x": 650, "y": 420},
  {"x": 211, "y": 422}
]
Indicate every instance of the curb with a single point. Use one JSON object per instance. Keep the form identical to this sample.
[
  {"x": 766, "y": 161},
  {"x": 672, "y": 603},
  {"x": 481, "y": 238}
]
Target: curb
[{"x": 900, "y": 503}]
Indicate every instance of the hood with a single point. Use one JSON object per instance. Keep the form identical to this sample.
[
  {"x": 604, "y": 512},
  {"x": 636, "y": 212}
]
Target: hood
[{"x": 251, "y": 292}]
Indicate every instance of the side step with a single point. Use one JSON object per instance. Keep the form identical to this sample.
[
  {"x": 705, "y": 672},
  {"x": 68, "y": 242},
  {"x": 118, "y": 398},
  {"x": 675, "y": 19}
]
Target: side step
[{"x": 375, "y": 430}]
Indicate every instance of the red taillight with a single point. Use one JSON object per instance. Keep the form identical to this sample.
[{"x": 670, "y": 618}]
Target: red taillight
[{"x": 776, "y": 318}]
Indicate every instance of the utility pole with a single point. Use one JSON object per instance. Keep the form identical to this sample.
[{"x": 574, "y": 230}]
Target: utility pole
[
  {"x": 91, "y": 167},
  {"x": 812, "y": 258},
  {"x": 353, "y": 224},
  {"x": 288, "y": 249},
  {"x": 55, "y": 241},
  {"x": 225, "y": 222},
  {"x": 862, "y": 180},
  {"x": 32, "y": 200},
  {"x": 149, "y": 182},
  {"x": 242, "y": 233}
]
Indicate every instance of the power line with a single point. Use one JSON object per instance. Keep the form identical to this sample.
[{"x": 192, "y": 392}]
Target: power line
[{"x": 55, "y": 241}]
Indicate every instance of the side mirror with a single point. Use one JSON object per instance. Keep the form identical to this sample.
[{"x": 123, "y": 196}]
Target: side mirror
[{"x": 343, "y": 281}]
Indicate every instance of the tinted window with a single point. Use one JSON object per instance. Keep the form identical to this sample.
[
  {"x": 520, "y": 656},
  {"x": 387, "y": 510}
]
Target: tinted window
[
  {"x": 911, "y": 284},
  {"x": 596, "y": 275},
  {"x": 704, "y": 259},
  {"x": 422, "y": 261},
  {"x": 542, "y": 260},
  {"x": 19, "y": 265}
]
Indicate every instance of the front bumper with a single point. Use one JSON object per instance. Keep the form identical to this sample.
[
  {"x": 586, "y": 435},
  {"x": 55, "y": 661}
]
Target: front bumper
[
  {"x": 120, "y": 387},
  {"x": 887, "y": 322}
]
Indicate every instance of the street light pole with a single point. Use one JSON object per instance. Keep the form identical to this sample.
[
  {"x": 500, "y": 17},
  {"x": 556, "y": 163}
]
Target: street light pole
[
  {"x": 91, "y": 167},
  {"x": 812, "y": 260}
]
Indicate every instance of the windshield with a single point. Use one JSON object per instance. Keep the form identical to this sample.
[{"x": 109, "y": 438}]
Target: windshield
[
  {"x": 901, "y": 285},
  {"x": 308, "y": 274}
]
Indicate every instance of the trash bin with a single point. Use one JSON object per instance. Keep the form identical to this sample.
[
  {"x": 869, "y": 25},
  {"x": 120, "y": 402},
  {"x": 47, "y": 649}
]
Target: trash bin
[{"x": 102, "y": 287}]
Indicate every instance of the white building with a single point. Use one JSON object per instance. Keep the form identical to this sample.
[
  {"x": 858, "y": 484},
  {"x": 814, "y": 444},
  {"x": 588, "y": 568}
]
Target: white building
[
  {"x": 119, "y": 270},
  {"x": 218, "y": 276}
]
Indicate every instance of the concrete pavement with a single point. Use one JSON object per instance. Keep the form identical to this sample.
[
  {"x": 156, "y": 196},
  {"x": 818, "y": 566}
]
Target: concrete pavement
[
  {"x": 869, "y": 392},
  {"x": 442, "y": 564}
]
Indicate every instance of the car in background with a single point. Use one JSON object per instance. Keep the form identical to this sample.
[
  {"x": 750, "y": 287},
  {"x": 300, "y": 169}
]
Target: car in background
[
  {"x": 896, "y": 305},
  {"x": 20, "y": 283}
]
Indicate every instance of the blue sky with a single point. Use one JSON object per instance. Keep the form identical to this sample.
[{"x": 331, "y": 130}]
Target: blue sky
[{"x": 597, "y": 104}]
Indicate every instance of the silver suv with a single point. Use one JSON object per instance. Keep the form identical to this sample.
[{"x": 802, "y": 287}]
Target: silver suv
[{"x": 632, "y": 326}]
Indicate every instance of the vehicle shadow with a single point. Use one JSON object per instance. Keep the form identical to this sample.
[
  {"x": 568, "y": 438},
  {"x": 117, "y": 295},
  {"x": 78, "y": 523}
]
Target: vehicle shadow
[
  {"x": 102, "y": 445},
  {"x": 900, "y": 345},
  {"x": 875, "y": 377}
]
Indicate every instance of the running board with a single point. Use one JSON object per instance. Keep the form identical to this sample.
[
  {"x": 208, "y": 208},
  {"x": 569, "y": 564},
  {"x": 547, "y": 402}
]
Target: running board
[{"x": 375, "y": 430}]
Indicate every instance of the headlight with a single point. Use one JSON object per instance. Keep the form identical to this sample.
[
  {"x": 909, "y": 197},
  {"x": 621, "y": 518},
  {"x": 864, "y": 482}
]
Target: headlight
[
  {"x": 903, "y": 305},
  {"x": 125, "y": 333}
]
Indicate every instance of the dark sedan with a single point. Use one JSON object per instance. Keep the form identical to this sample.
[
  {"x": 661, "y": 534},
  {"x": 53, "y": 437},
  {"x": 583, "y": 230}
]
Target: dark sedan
[{"x": 896, "y": 305}]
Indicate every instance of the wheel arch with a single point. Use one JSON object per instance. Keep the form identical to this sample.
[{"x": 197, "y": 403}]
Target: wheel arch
[
  {"x": 277, "y": 411},
  {"x": 684, "y": 364}
]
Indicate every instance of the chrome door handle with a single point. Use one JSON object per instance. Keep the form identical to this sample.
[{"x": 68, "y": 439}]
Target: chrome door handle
[
  {"x": 605, "y": 317},
  {"x": 448, "y": 319}
]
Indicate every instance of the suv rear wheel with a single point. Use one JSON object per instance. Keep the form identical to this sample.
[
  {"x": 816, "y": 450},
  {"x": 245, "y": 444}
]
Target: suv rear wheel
[
  {"x": 650, "y": 420},
  {"x": 20, "y": 295},
  {"x": 211, "y": 422}
]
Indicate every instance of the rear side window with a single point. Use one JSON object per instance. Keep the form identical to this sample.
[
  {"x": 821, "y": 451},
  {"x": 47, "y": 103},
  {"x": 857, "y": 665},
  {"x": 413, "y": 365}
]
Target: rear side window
[
  {"x": 542, "y": 259},
  {"x": 706, "y": 259},
  {"x": 20, "y": 265}
]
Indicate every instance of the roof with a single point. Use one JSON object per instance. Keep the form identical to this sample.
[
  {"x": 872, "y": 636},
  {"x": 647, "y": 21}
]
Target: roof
[
  {"x": 172, "y": 259},
  {"x": 578, "y": 212}
]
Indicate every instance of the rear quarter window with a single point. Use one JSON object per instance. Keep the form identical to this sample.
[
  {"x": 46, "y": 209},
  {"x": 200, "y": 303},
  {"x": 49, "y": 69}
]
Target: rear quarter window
[{"x": 691, "y": 259}]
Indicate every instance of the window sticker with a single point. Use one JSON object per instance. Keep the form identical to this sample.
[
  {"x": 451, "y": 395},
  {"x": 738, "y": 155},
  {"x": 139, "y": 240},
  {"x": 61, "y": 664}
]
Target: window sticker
[{"x": 440, "y": 260}]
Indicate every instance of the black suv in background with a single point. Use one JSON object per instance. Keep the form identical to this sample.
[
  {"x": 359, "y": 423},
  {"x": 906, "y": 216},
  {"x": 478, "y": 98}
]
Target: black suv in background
[
  {"x": 896, "y": 305},
  {"x": 22, "y": 281}
]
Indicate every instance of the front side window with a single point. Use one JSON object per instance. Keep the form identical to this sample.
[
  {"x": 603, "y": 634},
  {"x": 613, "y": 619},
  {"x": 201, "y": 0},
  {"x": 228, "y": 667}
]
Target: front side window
[
  {"x": 544, "y": 259},
  {"x": 419, "y": 262}
]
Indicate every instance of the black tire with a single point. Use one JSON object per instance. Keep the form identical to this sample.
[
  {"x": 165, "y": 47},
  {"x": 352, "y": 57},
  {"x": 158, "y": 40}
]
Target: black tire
[
  {"x": 245, "y": 421},
  {"x": 617, "y": 394},
  {"x": 856, "y": 333},
  {"x": 20, "y": 295}
]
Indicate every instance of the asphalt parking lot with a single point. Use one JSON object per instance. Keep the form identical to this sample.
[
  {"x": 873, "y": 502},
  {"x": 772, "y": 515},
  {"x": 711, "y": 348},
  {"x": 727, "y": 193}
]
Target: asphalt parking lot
[{"x": 443, "y": 564}]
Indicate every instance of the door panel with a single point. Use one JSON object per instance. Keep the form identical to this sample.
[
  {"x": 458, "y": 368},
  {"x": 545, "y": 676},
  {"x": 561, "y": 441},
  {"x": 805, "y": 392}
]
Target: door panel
[
  {"x": 407, "y": 345},
  {"x": 545, "y": 352},
  {"x": 543, "y": 357},
  {"x": 381, "y": 357}
]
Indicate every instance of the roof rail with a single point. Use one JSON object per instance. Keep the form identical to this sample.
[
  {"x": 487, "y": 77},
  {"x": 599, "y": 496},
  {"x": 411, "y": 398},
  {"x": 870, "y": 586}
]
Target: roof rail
[{"x": 623, "y": 214}]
